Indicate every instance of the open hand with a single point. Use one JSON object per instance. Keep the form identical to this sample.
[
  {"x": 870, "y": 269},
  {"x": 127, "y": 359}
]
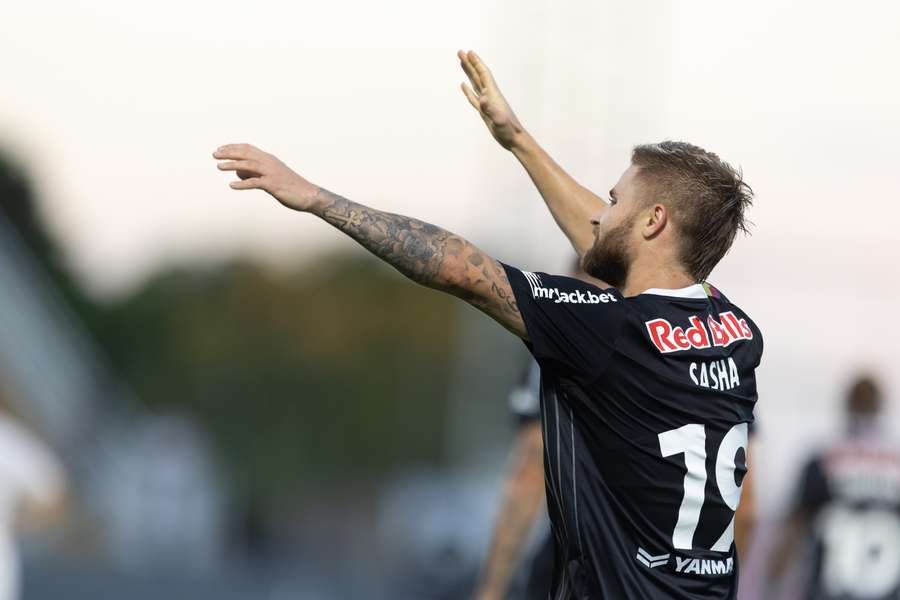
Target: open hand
[
  {"x": 258, "y": 170},
  {"x": 485, "y": 97}
]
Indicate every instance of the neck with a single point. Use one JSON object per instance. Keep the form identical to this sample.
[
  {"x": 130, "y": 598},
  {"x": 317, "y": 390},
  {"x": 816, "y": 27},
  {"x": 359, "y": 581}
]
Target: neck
[
  {"x": 862, "y": 424},
  {"x": 644, "y": 276}
]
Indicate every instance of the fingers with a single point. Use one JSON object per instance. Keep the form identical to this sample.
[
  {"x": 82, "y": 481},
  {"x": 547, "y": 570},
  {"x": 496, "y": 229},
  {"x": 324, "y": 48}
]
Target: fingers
[
  {"x": 237, "y": 152},
  {"x": 484, "y": 74},
  {"x": 254, "y": 183},
  {"x": 470, "y": 71},
  {"x": 246, "y": 160},
  {"x": 470, "y": 96},
  {"x": 250, "y": 166}
]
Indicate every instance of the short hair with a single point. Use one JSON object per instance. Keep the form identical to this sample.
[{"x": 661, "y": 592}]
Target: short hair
[
  {"x": 864, "y": 396},
  {"x": 706, "y": 195}
]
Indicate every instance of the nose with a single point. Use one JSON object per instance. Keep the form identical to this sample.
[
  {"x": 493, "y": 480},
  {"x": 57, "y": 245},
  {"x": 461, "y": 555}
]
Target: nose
[{"x": 595, "y": 220}]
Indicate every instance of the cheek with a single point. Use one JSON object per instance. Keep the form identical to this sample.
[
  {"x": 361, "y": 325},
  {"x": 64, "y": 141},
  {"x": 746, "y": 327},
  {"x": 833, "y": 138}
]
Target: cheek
[{"x": 609, "y": 220}]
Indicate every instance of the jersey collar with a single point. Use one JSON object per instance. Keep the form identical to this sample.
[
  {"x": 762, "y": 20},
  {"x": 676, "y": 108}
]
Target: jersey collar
[{"x": 692, "y": 291}]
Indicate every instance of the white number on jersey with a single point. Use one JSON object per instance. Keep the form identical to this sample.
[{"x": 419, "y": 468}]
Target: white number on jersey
[
  {"x": 862, "y": 552},
  {"x": 690, "y": 440}
]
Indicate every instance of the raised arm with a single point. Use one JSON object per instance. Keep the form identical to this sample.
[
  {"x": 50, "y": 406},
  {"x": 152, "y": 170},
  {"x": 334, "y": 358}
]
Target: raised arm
[
  {"x": 424, "y": 253},
  {"x": 571, "y": 204}
]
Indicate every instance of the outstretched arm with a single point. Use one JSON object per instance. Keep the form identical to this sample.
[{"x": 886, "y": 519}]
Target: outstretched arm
[
  {"x": 571, "y": 204},
  {"x": 424, "y": 253}
]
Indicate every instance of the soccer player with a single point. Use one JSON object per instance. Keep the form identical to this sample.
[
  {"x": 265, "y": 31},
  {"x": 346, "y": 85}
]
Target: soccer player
[
  {"x": 565, "y": 198},
  {"x": 648, "y": 384},
  {"x": 848, "y": 505}
]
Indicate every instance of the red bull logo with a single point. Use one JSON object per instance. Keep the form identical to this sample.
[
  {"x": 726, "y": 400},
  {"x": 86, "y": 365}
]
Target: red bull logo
[{"x": 699, "y": 335}]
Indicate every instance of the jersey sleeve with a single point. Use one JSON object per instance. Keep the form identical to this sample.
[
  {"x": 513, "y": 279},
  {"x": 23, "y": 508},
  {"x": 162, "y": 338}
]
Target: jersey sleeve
[
  {"x": 813, "y": 491},
  {"x": 572, "y": 325}
]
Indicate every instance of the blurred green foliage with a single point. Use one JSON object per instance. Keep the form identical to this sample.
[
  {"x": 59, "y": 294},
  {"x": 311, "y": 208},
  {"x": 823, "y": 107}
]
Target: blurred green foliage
[
  {"x": 336, "y": 371},
  {"x": 305, "y": 380}
]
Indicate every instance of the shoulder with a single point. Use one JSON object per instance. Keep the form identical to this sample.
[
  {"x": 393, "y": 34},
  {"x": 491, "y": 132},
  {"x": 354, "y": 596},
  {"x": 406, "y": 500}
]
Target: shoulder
[
  {"x": 734, "y": 312},
  {"x": 718, "y": 298}
]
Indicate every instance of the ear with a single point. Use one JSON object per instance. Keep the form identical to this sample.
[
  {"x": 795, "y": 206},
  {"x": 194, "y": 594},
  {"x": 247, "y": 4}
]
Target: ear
[{"x": 656, "y": 217}]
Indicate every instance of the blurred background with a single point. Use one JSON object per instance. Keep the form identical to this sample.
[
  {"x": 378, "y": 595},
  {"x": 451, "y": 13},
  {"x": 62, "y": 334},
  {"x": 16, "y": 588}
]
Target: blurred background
[{"x": 216, "y": 397}]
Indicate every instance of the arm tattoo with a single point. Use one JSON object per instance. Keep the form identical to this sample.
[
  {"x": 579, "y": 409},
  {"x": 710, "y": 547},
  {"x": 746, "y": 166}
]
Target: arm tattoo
[{"x": 428, "y": 255}]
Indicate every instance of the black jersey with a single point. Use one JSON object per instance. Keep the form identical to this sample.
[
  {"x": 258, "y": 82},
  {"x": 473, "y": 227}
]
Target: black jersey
[
  {"x": 646, "y": 404},
  {"x": 851, "y": 492}
]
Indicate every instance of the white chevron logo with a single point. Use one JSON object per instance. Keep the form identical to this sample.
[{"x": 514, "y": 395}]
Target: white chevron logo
[{"x": 652, "y": 562}]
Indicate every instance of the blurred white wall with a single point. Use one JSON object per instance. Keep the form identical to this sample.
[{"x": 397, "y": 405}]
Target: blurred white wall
[{"x": 117, "y": 106}]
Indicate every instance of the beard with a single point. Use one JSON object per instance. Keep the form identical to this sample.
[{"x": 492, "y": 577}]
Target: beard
[{"x": 609, "y": 259}]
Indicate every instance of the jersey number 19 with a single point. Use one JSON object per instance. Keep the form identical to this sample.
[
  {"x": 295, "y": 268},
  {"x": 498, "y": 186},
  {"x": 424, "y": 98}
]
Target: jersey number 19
[{"x": 690, "y": 440}]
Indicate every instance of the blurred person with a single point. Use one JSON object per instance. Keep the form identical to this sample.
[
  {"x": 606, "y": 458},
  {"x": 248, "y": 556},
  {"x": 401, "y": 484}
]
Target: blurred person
[
  {"x": 521, "y": 505},
  {"x": 511, "y": 559},
  {"x": 32, "y": 491},
  {"x": 847, "y": 508},
  {"x": 642, "y": 378}
]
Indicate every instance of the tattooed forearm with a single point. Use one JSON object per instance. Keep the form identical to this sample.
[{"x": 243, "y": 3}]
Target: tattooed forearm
[
  {"x": 416, "y": 249},
  {"x": 428, "y": 255}
]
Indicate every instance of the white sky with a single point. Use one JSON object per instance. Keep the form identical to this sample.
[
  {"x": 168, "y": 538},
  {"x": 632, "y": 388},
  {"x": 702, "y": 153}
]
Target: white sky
[{"x": 116, "y": 106}]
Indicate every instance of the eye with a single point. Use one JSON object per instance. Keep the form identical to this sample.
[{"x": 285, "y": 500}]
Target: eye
[{"x": 612, "y": 201}]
